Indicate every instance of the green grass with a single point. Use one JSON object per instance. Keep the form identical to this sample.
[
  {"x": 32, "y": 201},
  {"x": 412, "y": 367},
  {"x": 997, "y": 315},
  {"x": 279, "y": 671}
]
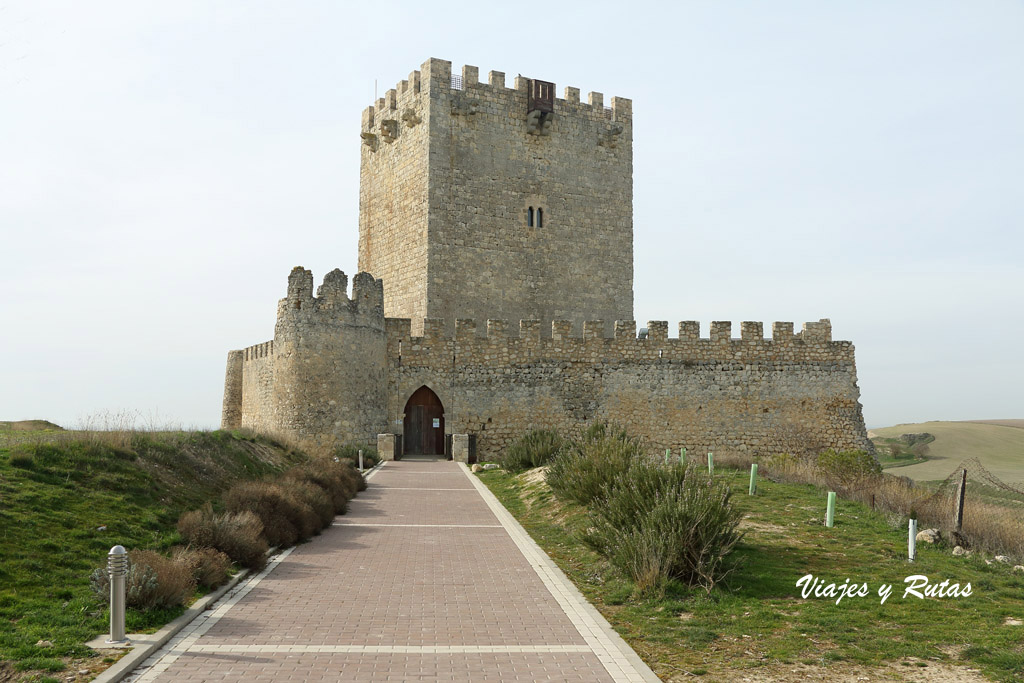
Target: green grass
[
  {"x": 65, "y": 502},
  {"x": 758, "y": 623},
  {"x": 999, "y": 447}
]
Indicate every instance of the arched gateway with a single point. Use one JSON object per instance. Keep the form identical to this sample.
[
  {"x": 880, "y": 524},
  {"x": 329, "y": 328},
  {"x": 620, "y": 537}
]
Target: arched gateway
[{"x": 424, "y": 423}]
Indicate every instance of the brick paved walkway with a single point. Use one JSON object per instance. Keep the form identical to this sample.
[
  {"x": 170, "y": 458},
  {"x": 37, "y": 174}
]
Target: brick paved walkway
[{"x": 427, "y": 578}]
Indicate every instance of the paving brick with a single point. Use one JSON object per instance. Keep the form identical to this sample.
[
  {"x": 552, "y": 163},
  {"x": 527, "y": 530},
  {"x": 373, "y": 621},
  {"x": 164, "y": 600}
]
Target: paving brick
[{"x": 419, "y": 581}]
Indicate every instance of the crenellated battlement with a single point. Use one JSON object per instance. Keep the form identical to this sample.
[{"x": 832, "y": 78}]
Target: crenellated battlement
[
  {"x": 498, "y": 341},
  {"x": 332, "y": 302},
  {"x": 258, "y": 351},
  {"x": 404, "y": 105},
  {"x": 655, "y": 330}
]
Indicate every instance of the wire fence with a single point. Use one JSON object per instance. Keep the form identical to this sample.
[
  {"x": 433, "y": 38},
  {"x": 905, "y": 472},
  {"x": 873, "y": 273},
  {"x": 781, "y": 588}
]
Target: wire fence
[{"x": 971, "y": 507}]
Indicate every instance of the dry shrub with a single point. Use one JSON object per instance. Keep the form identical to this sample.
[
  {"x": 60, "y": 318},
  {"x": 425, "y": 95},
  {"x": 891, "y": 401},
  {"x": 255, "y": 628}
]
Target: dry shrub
[
  {"x": 312, "y": 495},
  {"x": 338, "y": 479},
  {"x": 153, "y": 581},
  {"x": 739, "y": 461},
  {"x": 286, "y": 518},
  {"x": 357, "y": 475},
  {"x": 238, "y": 535},
  {"x": 994, "y": 528},
  {"x": 209, "y": 566}
]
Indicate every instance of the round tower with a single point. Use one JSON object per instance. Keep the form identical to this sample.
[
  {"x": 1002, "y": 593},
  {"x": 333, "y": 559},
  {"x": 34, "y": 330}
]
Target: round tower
[{"x": 329, "y": 361}]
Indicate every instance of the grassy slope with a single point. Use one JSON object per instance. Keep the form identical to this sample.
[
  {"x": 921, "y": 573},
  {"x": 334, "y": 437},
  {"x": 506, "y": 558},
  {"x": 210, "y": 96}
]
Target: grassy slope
[
  {"x": 758, "y": 625},
  {"x": 57, "y": 497},
  {"x": 1000, "y": 448}
]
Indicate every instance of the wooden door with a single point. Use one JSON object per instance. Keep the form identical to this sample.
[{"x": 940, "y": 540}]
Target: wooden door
[{"x": 424, "y": 423}]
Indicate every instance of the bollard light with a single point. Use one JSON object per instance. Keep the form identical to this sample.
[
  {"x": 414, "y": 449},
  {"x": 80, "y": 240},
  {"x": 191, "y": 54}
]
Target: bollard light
[
  {"x": 912, "y": 540},
  {"x": 117, "y": 568}
]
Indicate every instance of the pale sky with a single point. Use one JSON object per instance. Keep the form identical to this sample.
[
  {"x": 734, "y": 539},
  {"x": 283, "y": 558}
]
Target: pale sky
[{"x": 164, "y": 165}]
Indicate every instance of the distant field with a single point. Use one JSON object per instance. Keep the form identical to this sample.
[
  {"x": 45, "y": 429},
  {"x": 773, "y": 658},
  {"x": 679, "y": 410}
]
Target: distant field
[
  {"x": 28, "y": 426},
  {"x": 998, "y": 444},
  {"x": 1005, "y": 423}
]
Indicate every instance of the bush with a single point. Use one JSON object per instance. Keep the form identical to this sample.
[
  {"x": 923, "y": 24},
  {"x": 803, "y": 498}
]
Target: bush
[
  {"x": 153, "y": 581},
  {"x": 239, "y": 536},
  {"x": 658, "y": 523},
  {"x": 584, "y": 467},
  {"x": 286, "y": 518},
  {"x": 21, "y": 459},
  {"x": 339, "y": 480},
  {"x": 533, "y": 449},
  {"x": 351, "y": 452},
  {"x": 313, "y": 495},
  {"x": 848, "y": 471},
  {"x": 355, "y": 473},
  {"x": 209, "y": 567}
]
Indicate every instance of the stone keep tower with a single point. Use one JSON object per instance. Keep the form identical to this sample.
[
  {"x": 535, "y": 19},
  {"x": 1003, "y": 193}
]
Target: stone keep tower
[{"x": 481, "y": 201}]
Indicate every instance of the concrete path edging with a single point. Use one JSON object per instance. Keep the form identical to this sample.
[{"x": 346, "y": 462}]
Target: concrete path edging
[{"x": 617, "y": 656}]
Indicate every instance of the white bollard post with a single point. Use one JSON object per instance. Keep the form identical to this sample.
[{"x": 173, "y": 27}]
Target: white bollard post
[
  {"x": 360, "y": 459},
  {"x": 912, "y": 540},
  {"x": 117, "y": 568}
]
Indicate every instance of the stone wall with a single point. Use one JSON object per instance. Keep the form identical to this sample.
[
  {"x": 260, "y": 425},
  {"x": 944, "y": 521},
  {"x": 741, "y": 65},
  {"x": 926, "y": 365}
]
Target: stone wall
[
  {"x": 258, "y": 411},
  {"x": 449, "y": 172},
  {"x": 393, "y": 196},
  {"x": 321, "y": 382},
  {"x": 749, "y": 395}
]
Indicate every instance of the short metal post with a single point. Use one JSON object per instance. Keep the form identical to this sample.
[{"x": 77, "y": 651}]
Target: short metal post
[
  {"x": 711, "y": 463},
  {"x": 753, "y": 478},
  {"x": 360, "y": 459},
  {"x": 668, "y": 454},
  {"x": 830, "y": 512},
  {"x": 117, "y": 568},
  {"x": 912, "y": 540}
]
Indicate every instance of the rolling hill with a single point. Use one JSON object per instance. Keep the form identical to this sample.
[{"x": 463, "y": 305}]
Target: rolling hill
[{"x": 998, "y": 444}]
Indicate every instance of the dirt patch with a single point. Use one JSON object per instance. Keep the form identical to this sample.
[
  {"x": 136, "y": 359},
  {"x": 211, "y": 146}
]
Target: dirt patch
[
  {"x": 1010, "y": 621},
  {"x": 747, "y": 525},
  {"x": 534, "y": 477},
  {"x": 78, "y": 669}
]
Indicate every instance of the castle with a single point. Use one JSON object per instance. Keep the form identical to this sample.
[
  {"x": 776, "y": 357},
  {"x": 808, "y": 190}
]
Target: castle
[{"x": 479, "y": 205}]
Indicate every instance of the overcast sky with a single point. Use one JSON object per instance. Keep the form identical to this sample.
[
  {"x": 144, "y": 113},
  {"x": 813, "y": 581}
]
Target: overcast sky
[{"x": 163, "y": 165}]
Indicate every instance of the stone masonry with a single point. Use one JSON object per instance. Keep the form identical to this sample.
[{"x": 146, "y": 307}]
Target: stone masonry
[
  {"x": 516, "y": 326},
  {"x": 449, "y": 172}
]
